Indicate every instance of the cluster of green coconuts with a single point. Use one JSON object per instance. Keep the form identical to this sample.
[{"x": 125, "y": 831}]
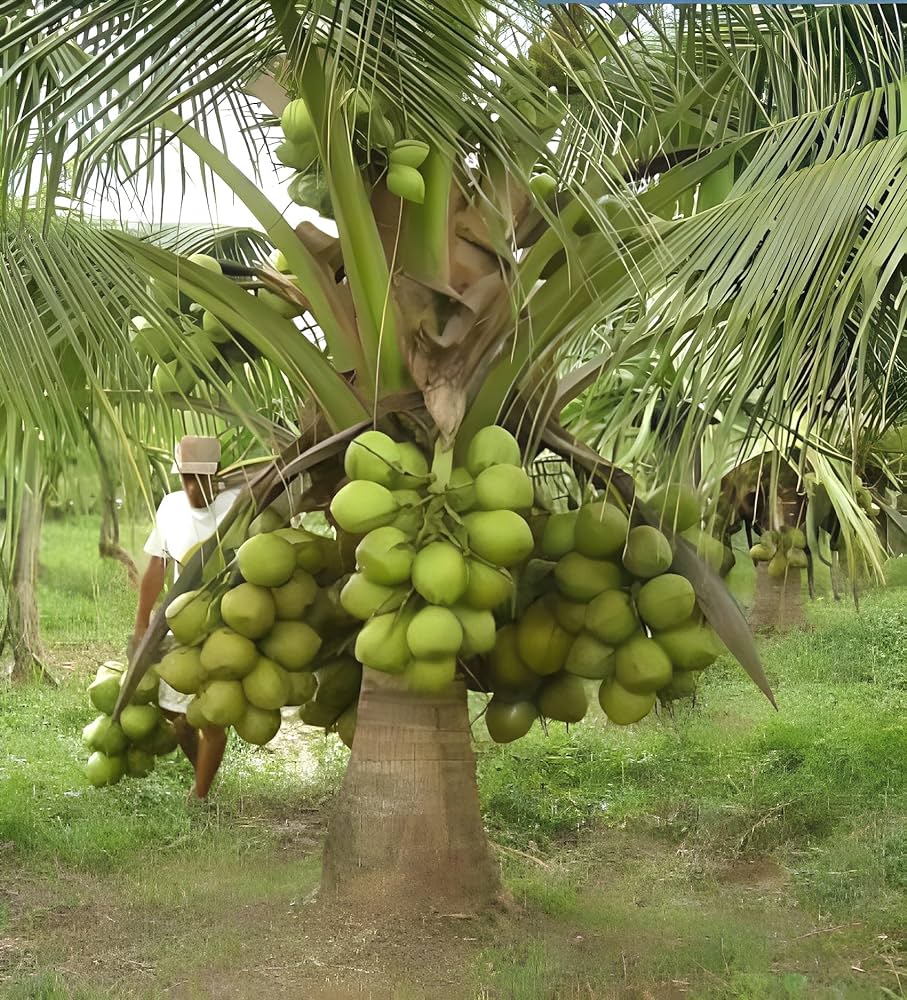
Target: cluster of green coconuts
[
  {"x": 783, "y": 550},
  {"x": 257, "y": 648},
  {"x": 130, "y": 746}
]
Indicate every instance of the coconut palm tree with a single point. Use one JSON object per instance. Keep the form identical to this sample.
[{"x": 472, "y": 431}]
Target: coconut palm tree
[{"x": 712, "y": 189}]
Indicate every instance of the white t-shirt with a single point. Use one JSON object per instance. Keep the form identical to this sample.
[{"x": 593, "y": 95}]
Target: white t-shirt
[{"x": 178, "y": 526}]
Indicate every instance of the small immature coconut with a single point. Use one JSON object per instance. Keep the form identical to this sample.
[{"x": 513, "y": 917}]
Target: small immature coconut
[
  {"x": 249, "y": 609},
  {"x": 385, "y": 556},
  {"x": 563, "y": 698},
  {"x": 267, "y": 560},
  {"x": 361, "y": 598},
  {"x": 492, "y": 445},
  {"x": 611, "y": 617},
  {"x": 292, "y": 599},
  {"x": 509, "y": 720},
  {"x": 301, "y": 688},
  {"x": 501, "y": 537},
  {"x": 479, "y": 635},
  {"x": 373, "y": 456},
  {"x": 406, "y": 183},
  {"x": 601, "y": 530},
  {"x": 267, "y": 685},
  {"x": 690, "y": 646},
  {"x": 580, "y": 578},
  {"x": 362, "y": 505},
  {"x": 409, "y": 153},
  {"x": 487, "y": 587},
  {"x": 623, "y": 707},
  {"x": 666, "y": 601},
  {"x": 590, "y": 657},
  {"x": 559, "y": 534},
  {"x": 223, "y": 703},
  {"x": 542, "y": 644},
  {"x": 182, "y": 669},
  {"x": 570, "y": 615},
  {"x": 227, "y": 654},
  {"x": 777, "y": 567},
  {"x": 258, "y": 725},
  {"x": 381, "y": 643},
  {"x": 139, "y": 721},
  {"x": 509, "y": 673},
  {"x": 648, "y": 553},
  {"x": 296, "y": 122},
  {"x": 642, "y": 665},
  {"x": 439, "y": 573},
  {"x": 761, "y": 553},
  {"x": 677, "y": 506},
  {"x": 434, "y": 633},
  {"x": 104, "y": 769},
  {"x": 292, "y": 644},
  {"x": 104, "y": 691},
  {"x": 503, "y": 487},
  {"x": 186, "y": 615}
]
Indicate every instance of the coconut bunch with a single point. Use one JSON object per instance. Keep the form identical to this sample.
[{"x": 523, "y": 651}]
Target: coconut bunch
[
  {"x": 434, "y": 553},
  {"x": 130, "y": 746},
  {"x": 782, "y": 550},
  {"x": 612, "y": 613}
]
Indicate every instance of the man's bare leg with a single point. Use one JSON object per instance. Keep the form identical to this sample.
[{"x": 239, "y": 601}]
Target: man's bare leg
[
  {"x": 186, "y": 736},
  {"x": 211, "y": 746}
]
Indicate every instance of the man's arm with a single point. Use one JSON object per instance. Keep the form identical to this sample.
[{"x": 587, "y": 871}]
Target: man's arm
[{"x": 150, "y": 589}]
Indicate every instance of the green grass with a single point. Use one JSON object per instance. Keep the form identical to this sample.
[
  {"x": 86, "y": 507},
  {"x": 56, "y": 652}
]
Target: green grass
[{"x": 727, "y": 851}]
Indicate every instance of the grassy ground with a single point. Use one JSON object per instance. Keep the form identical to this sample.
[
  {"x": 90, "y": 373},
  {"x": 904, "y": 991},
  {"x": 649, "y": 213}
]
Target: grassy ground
[{"x": 726, "y": 852}]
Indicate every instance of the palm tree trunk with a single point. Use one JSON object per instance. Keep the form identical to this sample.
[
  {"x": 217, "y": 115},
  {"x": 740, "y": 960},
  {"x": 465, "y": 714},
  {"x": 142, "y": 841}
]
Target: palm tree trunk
[
  {"x": 778, "y": 603},
  {"x": 406, "y": 831},
  {"x": 22, "y": 623}
]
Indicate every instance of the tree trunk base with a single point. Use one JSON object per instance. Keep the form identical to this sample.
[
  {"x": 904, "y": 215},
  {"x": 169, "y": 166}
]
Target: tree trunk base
[
  {"x": 406, "y": 835},
  {"x": 778, "y": 603}
]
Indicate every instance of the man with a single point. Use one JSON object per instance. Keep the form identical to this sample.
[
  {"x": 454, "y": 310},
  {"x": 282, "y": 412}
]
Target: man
[{"x": 184, "y": 520}]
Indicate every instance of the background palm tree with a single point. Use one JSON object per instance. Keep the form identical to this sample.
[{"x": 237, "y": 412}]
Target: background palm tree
[{"x": 718, "y": 215}]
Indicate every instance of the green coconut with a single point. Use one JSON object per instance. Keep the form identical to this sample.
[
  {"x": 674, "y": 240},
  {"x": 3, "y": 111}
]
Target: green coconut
[
  {"x": 266, "y": 560},
  {"x": 641, "y": 665},
  {"x": 150, "y": 340},
  {"x": 104, "y": 691},
  {"x": 139, "y": 721},
  {"x": 146, "y": 689},
  {"x": 105, "y": 735},
  {"x": 361, "y": 598},
  {"x": 611, "y": 617},
  {"x": 433, "y": 633},
  {"x": 267, "y": 685},
  {"x": 796, "y": 559},
  {"x": 461, "y": 491},
  {"x": 308, "y": 548},
  {"x": 186, "y": 615},
  {"x": 792, "y": 538},
  {"x": 373, "y": 456},
  {"x": 313, "y": 714},
  {"x": 182, "y": 669},
  {"x": 268, "y": 520},
  {"x": 439, "y": 573},
  {"x": 648, "y": 552},
  {"x": 249, "y": 609},
  {"x": 292, "y": 599},
  {"x": 428, "y": 677},
  {"x": 590, "y": 657},
  {"x": 683, "y": 685},
  {"x": 542, "y": 644},
  {"x": 492, "y": 445},
  {"x": 677, "y": 505},
  {"x": 104, "y": 769},
  {"x": 217, "y": 331},
  {"x": 478, "y": 630},
  {"x": 709, "y": 549},
  {"x": 563, "y": 698},
  {"x": 302, "y": 688},
  {"x": 761, "y": 553},
  {"x": 206, "y": 261},
  {"x": 384, "y": 556},
  {"x": 258, "y": 725},
  {"x": 345, "y": 726},
  {"x": 292, "y": 644},
  {"x": 338, "y": 683},
  {"x": 666, "y": 601},
  {"x": 362, "y": 505},
  {"x": 381, "y": 643},
  {"x": 296, "y": 155},
  {"x": 296, "y": 122},
  {"x": 504, "y": 487},
  {"x": 501, "y": 537},
  {"x": 139, "y": 763},
  {"x": 194, "y": 715},
  {"x": 570, "y": 615},
  {"x": 173, "y": 377},
  {"x": 409, "y": 153},
  {"x": 414, "y": 465},
  {"x": 690, "y": 646},
  {"x": 223, "y": 703},
  {"x": 410, "y": 516},
  {"x": 162, "y": 741},
  {"x": 777, "y": 567},
  {"x": 623, "y": 707},
  {"x": 406, "y": 183},
  {"x": 509, "y": 674},
  {"x": 487, "y": 587},
  {"x": 228, "y": 655},
  {"x": 542, "y": 185},
  {"x": 580, "y": 578},
  {"x": 559, "y": 534},
  {"x": 507, "y": 721},
  {"x": 601, "y": 530}
]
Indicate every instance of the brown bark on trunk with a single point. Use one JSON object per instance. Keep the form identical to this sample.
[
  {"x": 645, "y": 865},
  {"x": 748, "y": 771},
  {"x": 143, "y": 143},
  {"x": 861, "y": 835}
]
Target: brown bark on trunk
[
  {"x": 778, "y": 603},
  {"x": 23, "y": 624},
  {"x": 406, "y": 833}
]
